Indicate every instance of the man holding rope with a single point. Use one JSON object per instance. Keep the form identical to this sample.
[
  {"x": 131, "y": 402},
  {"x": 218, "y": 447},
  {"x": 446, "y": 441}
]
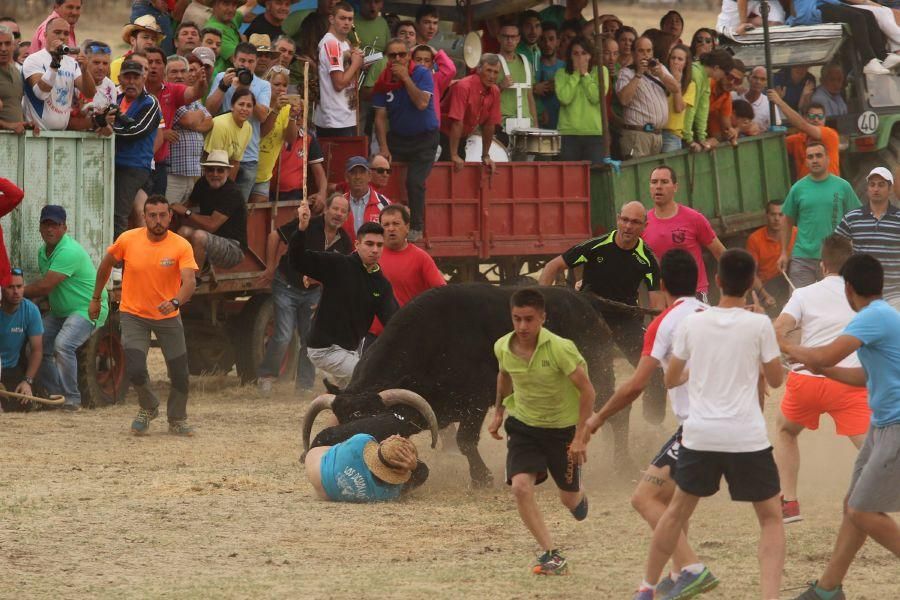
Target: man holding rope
[{"x": 20, "y": 324}]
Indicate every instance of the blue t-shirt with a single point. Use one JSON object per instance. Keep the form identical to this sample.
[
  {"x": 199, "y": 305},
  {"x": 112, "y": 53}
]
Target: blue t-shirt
[
  {"x": 549, "y": 102},
  {"x": 262, "y": 91},
  {"x": 877, "y": 326},
  {"x": 404, "y": 118},
  {"x": 15, "y": 329},
  {"x": 346, "y": 478}
]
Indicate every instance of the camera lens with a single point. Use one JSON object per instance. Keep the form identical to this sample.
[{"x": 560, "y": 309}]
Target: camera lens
[{"x": 245, "y": 76}]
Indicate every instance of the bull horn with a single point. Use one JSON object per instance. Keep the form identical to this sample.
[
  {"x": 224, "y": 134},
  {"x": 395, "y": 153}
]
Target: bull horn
[
  {"x": 410, "y": 398},
  {"x": 321, "y": 403}
]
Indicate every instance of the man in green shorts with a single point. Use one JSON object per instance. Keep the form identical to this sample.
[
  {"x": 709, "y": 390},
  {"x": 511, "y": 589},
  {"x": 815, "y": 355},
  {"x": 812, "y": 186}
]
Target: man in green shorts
[{"x": 544, "y": 384}]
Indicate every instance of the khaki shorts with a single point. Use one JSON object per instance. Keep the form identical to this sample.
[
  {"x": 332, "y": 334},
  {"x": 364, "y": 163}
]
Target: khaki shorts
[{"x": 223, "y": 252}]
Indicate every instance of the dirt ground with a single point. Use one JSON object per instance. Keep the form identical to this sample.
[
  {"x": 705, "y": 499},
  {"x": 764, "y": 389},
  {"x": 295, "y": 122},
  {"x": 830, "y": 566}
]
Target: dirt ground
[{"x": 88, "y": 510}]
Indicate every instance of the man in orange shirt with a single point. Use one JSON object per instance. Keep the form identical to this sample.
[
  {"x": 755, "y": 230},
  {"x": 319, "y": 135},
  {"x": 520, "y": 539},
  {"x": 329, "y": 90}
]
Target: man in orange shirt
[
  {"x": 159, "y": 277},
  {"x": 764, "y": 245},
  {"x": 810, "y": 128}
]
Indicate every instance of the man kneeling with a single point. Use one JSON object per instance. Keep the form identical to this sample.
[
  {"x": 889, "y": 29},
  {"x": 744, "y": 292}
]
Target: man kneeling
[
  {"x": 217, "y": 229},
  {"x": 362, "y": 470}
]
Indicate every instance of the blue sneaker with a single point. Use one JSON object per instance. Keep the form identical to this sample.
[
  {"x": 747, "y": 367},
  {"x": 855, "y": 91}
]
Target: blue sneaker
[
  {"x": 665, "y": 586},
  {"x": 141, "y": 423},
  {"x": 690, "y": 584},
  {"x": 643, "y": 594}
]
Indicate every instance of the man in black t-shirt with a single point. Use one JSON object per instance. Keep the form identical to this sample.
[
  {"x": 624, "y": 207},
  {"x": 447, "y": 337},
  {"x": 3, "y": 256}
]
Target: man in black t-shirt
[
  {"x": 615, "y": 265},
  {"x": 295, "y": 296},
  {"x": 269, "y": 23},
  {"x": 214, "y": 219},
  {"x": 354, "y": 292}
]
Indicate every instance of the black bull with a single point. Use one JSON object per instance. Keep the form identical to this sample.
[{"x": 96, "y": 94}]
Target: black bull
[{"x": 441, "y": 346}]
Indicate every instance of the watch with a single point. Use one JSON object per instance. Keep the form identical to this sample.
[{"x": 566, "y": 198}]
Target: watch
[
  {"x": 29, "y": 380},
  {"x": 188, "y": 212},
  {"x": 175, "y": 302}
]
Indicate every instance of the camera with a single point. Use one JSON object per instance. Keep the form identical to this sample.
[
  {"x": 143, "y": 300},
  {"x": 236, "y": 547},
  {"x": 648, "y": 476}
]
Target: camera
[
  {"x": 652, "y": 63},
  {"x": 122, "y": 119},
  {"x": 63, "y": 50},
  {"x": 244, "y": 75}
]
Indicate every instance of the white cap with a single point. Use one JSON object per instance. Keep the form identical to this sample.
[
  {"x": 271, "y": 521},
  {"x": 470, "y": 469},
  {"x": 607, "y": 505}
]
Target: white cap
[{"x": 883, "y": 173}]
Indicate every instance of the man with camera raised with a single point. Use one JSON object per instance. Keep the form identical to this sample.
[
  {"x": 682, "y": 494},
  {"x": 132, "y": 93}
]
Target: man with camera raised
[
  {"x": 219, "y": 100},
  {"x": 51, "y": 77}
]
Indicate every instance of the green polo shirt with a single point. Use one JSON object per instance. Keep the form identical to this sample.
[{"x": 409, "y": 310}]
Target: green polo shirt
[
  {"x": 73, "y": 294},
  {"x": 543, "y": 395},
  {"x": 231, "y": 37}
]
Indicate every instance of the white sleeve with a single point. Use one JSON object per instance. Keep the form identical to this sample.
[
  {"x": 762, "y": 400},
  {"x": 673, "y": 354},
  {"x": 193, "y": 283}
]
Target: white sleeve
[
  {"x": 768, "y": 348},
  {"x": 681, "y": 349},
  {"x": 794, "y": 306}
]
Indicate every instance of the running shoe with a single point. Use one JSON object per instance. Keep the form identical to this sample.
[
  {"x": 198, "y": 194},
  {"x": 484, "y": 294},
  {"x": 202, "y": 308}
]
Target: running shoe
[
  {"x": 141, "y": 423},
  {"x": 580, "y": 512},
  {"x": 643, "y": 594},
  {"x": 790, "y": 511},
  {"x": 692, "y": 584},
  {"x": 551, "y": 563},
  {"x": 181, "y": 428},
  {"x": 811, "y": 594},
  {"x": 665, "y": 586}
]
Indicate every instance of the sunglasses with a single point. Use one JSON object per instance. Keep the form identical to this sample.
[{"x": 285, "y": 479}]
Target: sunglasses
[
  {"x": 17, "y": 272},
  {"x": 704, "y": 40},
  {"x": 815, "y": 117},
  {"x": 393, "y": 55},
  {"x": 16, "y": 35},
  {"x": 98, "y": 49},
  {"x": 382, "y": 171}
]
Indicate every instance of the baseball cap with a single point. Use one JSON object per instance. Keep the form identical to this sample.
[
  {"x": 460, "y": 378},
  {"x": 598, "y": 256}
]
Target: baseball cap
[
  {"x": 53, "y": 212},
  {"x": 131, "y": 66},
  {"x": 883, "y": 173},
  {"x": 206, "y": 56},
  {"x": 357, "y": 161}
]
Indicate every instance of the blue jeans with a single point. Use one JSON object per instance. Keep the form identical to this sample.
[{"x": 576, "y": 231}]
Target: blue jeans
[
  {"x": 294, "y": 309},
  {"x": 671, "y": 142},
  {"x": 418, "y": 152},
  {"x": 59, "y": 368},
  {"x": 246, "y": 178}
]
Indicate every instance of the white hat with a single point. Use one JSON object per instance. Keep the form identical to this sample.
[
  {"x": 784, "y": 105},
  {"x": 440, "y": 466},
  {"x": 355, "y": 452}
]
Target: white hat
[
  {"x": 216, "y": 158},
  {"x": 883, "y": 173}
]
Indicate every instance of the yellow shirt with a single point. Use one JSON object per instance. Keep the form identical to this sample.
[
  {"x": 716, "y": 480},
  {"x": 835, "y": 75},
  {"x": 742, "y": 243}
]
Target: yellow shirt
[
  {"x": 114, "y": 68},
  {"x": 226, "y": 135},
  {"x": 270, "y": 146},
  {"x": 676, "y": 119}
]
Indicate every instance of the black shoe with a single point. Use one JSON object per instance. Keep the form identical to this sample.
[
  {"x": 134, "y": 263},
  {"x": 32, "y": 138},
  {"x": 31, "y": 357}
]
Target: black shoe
[{"x": 580, "y": 512}]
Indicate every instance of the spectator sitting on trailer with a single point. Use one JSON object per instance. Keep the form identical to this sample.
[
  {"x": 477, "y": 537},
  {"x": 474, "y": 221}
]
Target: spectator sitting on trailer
[
  {"x": 366, "y": 203},
  {"x": 830, "y": 91},
  {"x": 742, "y": 118},
  {"x": 379, "y": 171},
  {"x": 217, "y": 230},
  {"x": 143, "y": 33}
]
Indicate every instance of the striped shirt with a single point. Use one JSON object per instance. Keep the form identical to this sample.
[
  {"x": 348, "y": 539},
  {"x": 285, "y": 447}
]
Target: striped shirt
[
  {"x": 878, "y": 237},
  {"x": 184, "y": 155},
  {"x": 650, "y": 103}
]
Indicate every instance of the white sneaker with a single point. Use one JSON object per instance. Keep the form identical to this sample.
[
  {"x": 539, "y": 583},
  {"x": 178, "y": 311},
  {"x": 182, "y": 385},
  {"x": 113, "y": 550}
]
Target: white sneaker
[
  {"x": 892, "y": 61},
  {"x": 117, "y": 274},
  {"x": 873, "y": 67},
  {"x": 265, "y": 385}
]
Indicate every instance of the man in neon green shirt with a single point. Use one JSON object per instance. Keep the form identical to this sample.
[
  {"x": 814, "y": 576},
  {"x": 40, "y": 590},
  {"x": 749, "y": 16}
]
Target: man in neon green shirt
[
  {"x": 544, "y": 385},
  {"x": 227, "y": 19}
]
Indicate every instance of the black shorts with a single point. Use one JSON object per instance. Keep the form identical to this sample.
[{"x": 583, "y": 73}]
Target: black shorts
[
  {"x": 539, "y": 450},
  {"x": 751, "y": 476},
  {"x": 668, "y": 454}
]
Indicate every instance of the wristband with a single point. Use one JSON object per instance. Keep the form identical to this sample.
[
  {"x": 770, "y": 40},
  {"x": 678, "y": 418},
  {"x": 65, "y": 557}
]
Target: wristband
[
  {"x": 222, "y": 87},
  {"x": 49, "y": 77}
]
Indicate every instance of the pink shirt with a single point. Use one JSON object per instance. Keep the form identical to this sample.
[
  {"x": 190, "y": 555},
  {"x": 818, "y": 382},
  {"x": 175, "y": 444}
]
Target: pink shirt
[
  {"x": 446, "y": 71},
  {"x": 688, "y": 230},
  {"x": 39, "y": 40}
]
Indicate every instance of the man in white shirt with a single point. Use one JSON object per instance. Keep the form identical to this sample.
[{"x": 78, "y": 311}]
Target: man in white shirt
[
  {"x": 757, "y": 98},
  {"x": 822, "y": 312},
  {"x": 725, "y": 431},
  {"x": 336, "y": 113},
  {"x": 678, "y": 281},
  {"x": 51, "y": 79}
]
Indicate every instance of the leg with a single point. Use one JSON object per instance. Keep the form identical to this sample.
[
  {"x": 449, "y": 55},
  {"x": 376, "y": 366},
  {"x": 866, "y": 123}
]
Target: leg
[
  {"x": 857, "y": 440},
  {"x": 136, "y": 343},
  {"x": 127, "y": 183},
  {"x": 306, "y": 371},
  {"x": 336, "y": 361},
  {"x": 771, "y": 545},
  {"x": 48, "y": 374},
  {"x": 137, "y": 208},
  {"x": 849, "y": 540},
  {"x": 246, "y": 178},
  {"x": 198, "y": 239},
  {"x": 74, "y": 333},
  {"x": 286, "y": 306},
  {"x": 650, "y": 499},
  {"x": 668, "y": 529},
  {"x": 878, "y": 526},
  {"x": 787, "y": 454},
  {"x": 467, "y": 440},
  {"x": 170, "y": 334},
  {"x": 523, "y": 491}
]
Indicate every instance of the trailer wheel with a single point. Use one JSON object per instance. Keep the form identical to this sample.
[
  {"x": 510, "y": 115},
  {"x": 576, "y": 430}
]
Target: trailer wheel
[
  {"x": 254, "y": 327},
  {"x": 101, "y": 367},
  {"x": 210, "y": 355}
]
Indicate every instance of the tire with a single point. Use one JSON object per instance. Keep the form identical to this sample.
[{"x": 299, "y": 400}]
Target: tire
[
  {"x": 520, "y": 281},
  {"x": 101, "y": 367},
  {"x": 209, "y": 350},
  {"x": 253, "y": 327}
]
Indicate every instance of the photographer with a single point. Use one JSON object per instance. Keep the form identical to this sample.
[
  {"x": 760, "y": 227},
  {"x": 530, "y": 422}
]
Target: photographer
[
  {"x": 51, "y": 77},
  {"x": 97, "y": 55},
  {"x": 219, "y": 101}
]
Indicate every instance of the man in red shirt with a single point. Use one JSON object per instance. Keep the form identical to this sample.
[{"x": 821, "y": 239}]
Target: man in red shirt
[
  {"x": 810, "y": 128},
  {"x": 471, "y": 102},
  {"x": 410, "y": 269},
  {"x": 10, "y": 197}
]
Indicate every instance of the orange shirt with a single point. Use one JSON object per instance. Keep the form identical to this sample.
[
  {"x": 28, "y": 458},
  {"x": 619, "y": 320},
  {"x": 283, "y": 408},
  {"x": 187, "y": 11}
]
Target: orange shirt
[
  {"x": 766, "y": 251},
  {"x": 152, "y": 273},
  {"x": 719, "y": 106},
  {"x": 796, "y": 147}
]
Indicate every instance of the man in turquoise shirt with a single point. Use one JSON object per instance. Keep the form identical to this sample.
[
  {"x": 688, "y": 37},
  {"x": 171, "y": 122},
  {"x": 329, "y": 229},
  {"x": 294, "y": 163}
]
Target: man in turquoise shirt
[{"x": 68, "y": 280}]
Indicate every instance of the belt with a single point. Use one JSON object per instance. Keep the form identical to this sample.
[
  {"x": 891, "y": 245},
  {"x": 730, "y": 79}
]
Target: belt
[{"x": 641, "y": 128}]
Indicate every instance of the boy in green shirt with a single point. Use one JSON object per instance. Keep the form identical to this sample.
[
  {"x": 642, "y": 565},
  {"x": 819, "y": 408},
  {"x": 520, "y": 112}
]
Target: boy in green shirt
[{"x": 543, "y": 382}]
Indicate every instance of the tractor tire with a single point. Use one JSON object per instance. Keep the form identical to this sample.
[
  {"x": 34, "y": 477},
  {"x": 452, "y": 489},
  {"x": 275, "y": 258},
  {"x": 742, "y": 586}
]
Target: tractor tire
[
  {"x": 101, "y": 367},
  {"x": 209, "y": 350},
  {"x": 252, "y": 329}
]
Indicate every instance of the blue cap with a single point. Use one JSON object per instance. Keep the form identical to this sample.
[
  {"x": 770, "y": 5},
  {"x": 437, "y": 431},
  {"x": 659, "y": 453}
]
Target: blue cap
[
  {"x": 357, "y": 161},
  {"x": 54, "y": 213}
]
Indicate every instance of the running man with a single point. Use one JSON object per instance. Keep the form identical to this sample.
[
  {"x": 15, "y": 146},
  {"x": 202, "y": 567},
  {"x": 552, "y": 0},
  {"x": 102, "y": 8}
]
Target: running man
[
  {"x": 544, "y": 384},
  {"x": 821, "y": 312},
  {"x": 725, "y": 430},
  {"x": 159, "y": 276},
  {"x": 874, "y": 334},
  {"x": 654, "y": 491}
]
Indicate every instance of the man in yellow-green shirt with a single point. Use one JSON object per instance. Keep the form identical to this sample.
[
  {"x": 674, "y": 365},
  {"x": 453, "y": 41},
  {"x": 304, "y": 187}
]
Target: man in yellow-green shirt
[{"x": 543, "y": 383}]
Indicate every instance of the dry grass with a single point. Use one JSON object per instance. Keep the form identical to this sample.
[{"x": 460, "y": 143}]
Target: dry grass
[{"x": 88, "y": 510}]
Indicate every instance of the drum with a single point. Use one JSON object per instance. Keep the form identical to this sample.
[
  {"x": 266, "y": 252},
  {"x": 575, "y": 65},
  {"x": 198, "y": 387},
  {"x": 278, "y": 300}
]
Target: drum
[
  {"x": 539, "y": 142},
  {"x": 498, "y": 152}
]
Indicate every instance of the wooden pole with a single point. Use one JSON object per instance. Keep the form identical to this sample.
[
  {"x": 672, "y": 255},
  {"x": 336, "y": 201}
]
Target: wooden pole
[
  {"x": 305, "y": 124},
  {"x": 764, "y": 9},
  {"x": 598, "y": 59}
]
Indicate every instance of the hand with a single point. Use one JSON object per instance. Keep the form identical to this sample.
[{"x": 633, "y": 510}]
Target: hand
[
  {"x": 541, "y": 88},
  {"x": 696, "y": 147},
  {"x": 494, "y": 427},
  {"x": 458, "y": 163},
  {"x": 81, "y": 59},
  {"x": 488, "y": 163},
  {"x": 24, "y": 388},
  {"x": 166, "y": 307},
  {"x": 640, "y": 67},
  {"x": 303, "y": 214},
  {"x": 406, "y": 459},
  {"x": 755, "y": 305},
  {"x": 783, "y": 262},
  {"x": 656, "y": 70},
  {"x": 229, "y": 78},
  {"x": 171, "y": 136},
  {"x": 280, "y": 103},
  {"x": 744, "y": 28},
  {"x": 178, "y": 208},
  {"x": 766, "y": 298},
  {"x": 400, "y": 72},
  {"x": 775, "y": 97},
  {"x": 505, "y": 82},
  {"x": 808, "y": 88},
  {"x": 265, "y": 279},
  {"x": 110, "y": 118},
  {"x": 594, "y": 422},
  {"x": 356, "y": 57},
  {"x": 17, "y": 128},
  {"x": 578, "y": 285},
  {"x": 105, "y": 131},
  {"x": 578, "y": 451},
  {"x": 386, "y": 153},
  {"x": 94, "y": 309},
  {"x": 316, "y": 202}
]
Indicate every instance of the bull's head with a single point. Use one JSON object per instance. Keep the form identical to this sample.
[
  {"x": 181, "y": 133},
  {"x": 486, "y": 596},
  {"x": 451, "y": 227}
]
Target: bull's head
[{"x": 346, "y": 409}]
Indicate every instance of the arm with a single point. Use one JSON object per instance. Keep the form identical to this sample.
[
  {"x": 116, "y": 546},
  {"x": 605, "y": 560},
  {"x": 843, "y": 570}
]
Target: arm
[
  {"x": 217, "y": 95},
  {"x": 794, "y": 117},
  {"x": 103, "y": 271},
  {"x": 34, "y": 363},
  {"x": 144, "y": 123},
  {"x": 855, "y": 376},
  {"x": 532, "y": 108},
  {"x": 627, "y": 393},
  {"x": 715, "y": 248},
  {"x": 267, "y": 124},
  {"x": 381, "y": 132},
  {"x": 271, "y": 264},
  {"x": 318, "y": 265},
  {"x": 188, "y": 285},
  {"x": 504, "y": 389},
  {"x": 44, "y": 285},
  {"x": 341, "y": 80},
  {"x": 566, "y": 85},
  {"x": 210, "y": 223},
  {"x": 773, "y": 373},
  {"x": 42, "y": 85},
  {"x": 678, "y": 101},
  {"x": 196, "y": 120},
  {"x": 586, "y": 395},
  {"x": 10, "y": 196},
  {"x": 85, "y": 82},
  {"x": 824, "y": 356},
  {"x": 456, "y": 131},
  {"x": 446, "y": 70},
  {"x": 552, "y": 270},
  {"x": 626, "y": 94},
  {"x": 196, "y": 91},
  {"x": 786, "y": 229},
  {"x": 676, "y": 374},
  {"x": 321, "y": 178},
  {"x": 784, "y": 324},
  {"x": 418, "y": 97}
]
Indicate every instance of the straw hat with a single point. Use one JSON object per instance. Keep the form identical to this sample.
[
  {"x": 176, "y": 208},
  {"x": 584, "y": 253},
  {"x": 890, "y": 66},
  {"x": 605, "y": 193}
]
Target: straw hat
[
  {"x": 381, "y": 457},
  {"x": 217, "y": 158},
  {"x": 262, "y": 42},
  {"x": 144, "y": 23}
]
